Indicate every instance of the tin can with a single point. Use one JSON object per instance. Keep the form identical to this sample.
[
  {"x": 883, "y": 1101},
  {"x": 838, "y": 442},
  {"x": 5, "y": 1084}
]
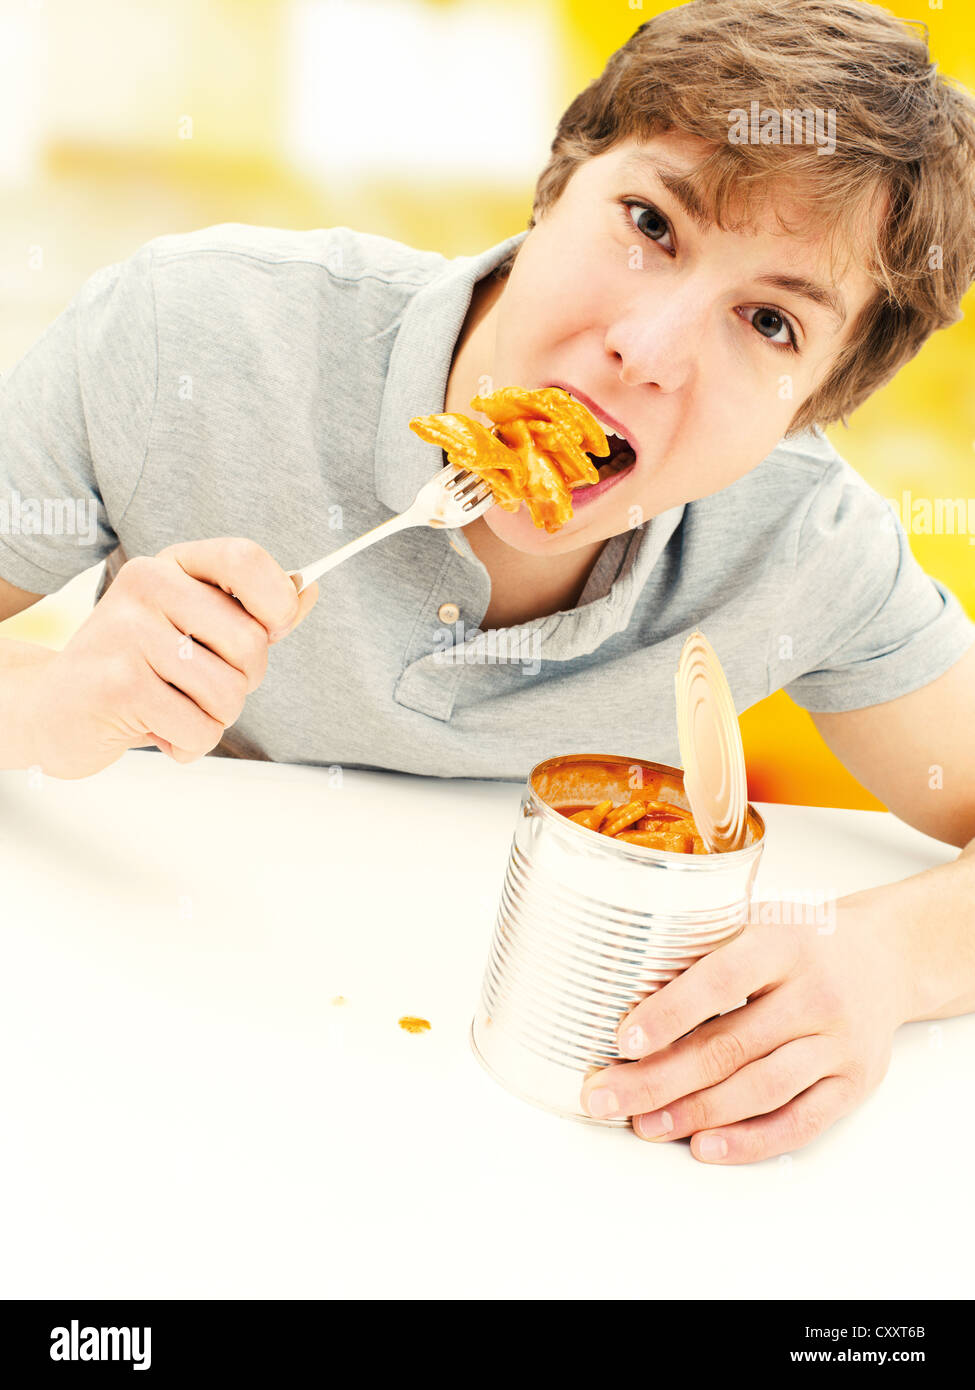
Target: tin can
[{"x": 589, "y": 925}]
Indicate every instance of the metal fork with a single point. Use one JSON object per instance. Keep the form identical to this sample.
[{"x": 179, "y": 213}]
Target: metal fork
[{"x": 451, "y": 498}]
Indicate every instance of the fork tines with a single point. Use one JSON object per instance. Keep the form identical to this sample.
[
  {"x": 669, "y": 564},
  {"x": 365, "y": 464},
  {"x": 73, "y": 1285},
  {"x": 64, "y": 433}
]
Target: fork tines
[{"x": 467, "y": 485}]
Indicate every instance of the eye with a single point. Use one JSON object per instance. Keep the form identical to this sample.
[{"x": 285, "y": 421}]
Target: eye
[
  {"x": 651, "y": 223},
  {"x": 770, "y": 323}
]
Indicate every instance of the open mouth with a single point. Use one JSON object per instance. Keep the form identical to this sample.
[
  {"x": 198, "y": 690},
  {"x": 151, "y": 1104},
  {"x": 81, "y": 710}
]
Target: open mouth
[{"x": 621, "y": 457}]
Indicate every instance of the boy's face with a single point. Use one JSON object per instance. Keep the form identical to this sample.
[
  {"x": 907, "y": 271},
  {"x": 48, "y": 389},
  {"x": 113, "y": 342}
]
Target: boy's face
[{"x": 661, "y": 325}]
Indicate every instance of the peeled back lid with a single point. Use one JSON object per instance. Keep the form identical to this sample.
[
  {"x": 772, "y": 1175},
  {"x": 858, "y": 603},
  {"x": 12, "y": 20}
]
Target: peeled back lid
[{"x": 710, "y": 746}]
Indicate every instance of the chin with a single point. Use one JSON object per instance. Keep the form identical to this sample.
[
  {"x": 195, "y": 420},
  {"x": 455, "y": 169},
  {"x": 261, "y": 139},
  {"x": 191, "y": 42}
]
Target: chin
[{"x": 519, "y": 531}]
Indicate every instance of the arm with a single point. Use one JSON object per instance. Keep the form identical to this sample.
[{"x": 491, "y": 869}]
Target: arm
[
  {"x": 917, "y": 753},
  {"x": 18, "y": 663},
  {"x": 815, "y": 1035},
  {"x": 932, "y": 920}
]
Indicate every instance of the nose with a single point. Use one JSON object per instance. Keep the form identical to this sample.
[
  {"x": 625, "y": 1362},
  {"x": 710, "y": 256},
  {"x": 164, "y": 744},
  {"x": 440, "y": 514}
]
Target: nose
[{"x": 657, "y": 337}]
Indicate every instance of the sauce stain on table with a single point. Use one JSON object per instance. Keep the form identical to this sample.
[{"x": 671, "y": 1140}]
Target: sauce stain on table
[{"x": 414, "y": 1025}]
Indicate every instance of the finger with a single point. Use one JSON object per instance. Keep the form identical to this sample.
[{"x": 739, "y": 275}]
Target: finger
[
  {"x": 706, "y": 1057},
  {"x": 152, "y": 740},
  {"x": 220, "y": 623},
  {"x": 245, "y": 569},
  {"x": 794, "y": 1125},
  {"x": 160, "y": 710},
  {"x": 217, "y": 688},
  {"x": 759, "y": 957},
  {"x": 757, "y": 1089}
]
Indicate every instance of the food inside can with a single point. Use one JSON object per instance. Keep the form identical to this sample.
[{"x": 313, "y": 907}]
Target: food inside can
[
  {"x": 655, "y": 824},
  {"x": 636, "y": 802}
]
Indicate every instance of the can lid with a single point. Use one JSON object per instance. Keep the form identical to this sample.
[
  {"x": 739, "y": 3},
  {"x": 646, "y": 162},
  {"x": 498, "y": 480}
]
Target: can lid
[{"x": 710, "y": 746}]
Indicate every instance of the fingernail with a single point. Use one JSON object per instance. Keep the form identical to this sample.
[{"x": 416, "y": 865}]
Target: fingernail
[
  {"x": 713, "y": 1146},
  {"x": 602, "y": 1103},
  {"x": 655, "y": 1125},
  {"x": 633, "y": 1042}
]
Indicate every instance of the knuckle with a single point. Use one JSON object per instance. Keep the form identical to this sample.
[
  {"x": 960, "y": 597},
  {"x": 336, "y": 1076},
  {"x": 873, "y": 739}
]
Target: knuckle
[
  {"x": 769, "y": 1088},
  {"x": 243, "y": 551},
  {"x": 796, "y": 947},
  {"x": 852, "y": 1086},
  {"x": 140, "y": 575},
  {"x": 119, "y": 674},
  {"x": 854, "y": 1080},
  {"x": 697, "y": 1111},
  {"x": 124, "y": 632},
  {"x": 238, "y": 689},
  {"x": 645, "y": 1097},
  {"x": 256, "y": 654},
  {"x": 805, "y": 1122},
  {"x": 722, "y": 969},
  {"x": 724, "y": 1054},
  {"x": 828, "y": 1000},
  {"x": 667, "y": 1018}
]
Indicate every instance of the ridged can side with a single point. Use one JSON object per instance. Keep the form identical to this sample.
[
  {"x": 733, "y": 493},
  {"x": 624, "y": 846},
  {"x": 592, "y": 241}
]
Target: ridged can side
[{"x": 586, "y": 927}]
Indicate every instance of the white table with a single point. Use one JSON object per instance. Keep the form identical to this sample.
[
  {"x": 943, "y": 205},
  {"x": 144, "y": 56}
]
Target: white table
[{"x": 187, "y": 1114}]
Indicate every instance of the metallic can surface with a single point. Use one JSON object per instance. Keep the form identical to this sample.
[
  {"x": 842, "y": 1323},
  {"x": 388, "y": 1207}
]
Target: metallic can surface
[{"x": 588, "y": 925}]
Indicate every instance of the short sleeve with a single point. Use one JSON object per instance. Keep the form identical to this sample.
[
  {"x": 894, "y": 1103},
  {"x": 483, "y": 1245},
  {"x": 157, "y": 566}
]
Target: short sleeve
[
  {"x": 870, "y": 623},
  {"x": 75, "y": 414}
]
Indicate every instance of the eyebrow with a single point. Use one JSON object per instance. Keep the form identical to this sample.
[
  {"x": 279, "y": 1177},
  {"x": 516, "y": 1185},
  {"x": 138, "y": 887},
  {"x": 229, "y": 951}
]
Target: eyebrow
[{"x": 673, "y": 180}]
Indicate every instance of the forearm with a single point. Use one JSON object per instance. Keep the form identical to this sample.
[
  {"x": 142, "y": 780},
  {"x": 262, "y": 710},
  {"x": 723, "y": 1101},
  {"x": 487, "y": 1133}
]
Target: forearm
[
  {"x": 21, "y": 663},
  {"x": 930, "y": 921}
]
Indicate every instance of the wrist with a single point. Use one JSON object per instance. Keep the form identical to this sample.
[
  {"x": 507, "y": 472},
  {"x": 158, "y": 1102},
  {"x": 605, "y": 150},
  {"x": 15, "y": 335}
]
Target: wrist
[
  {"x": 32, "y": 693},
  {"x": 22, "y": 720},
  {"x": 926, "y": 929}
]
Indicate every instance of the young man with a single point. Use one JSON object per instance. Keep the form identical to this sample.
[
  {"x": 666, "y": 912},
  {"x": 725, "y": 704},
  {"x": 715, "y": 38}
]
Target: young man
[{"x": 717, "y": 302}]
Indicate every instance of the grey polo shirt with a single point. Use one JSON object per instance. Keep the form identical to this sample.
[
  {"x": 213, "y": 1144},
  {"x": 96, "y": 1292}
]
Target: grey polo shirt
[{"x": 251, "y": 381}]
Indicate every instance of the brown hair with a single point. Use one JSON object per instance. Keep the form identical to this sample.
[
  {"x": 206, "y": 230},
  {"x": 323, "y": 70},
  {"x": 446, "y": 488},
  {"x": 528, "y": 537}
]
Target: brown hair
[{"x": 899, "y": 186}]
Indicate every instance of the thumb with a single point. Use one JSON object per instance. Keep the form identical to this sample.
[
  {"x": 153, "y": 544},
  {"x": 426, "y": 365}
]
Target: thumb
[{"x": 306, "y": 602}]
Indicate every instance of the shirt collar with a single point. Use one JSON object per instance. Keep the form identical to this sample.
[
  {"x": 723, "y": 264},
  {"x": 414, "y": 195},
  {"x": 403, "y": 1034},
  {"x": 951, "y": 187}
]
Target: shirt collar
[{"x": 416, "y": 379}]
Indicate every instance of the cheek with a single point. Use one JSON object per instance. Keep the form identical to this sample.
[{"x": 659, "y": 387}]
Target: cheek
[
  {"x": 549, "y": 297},
  {"x": 723, "y": 436}
]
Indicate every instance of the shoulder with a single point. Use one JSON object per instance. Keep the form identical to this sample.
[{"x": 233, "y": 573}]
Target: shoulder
[
  {"x": 340, "y": 252},
  {"x": 803, "y": 496},
  {"x": 806, "y": 474},
  {"x": 270, "y": 290}
]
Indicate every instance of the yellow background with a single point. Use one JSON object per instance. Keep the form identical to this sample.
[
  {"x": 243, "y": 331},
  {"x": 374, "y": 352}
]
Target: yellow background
[{"x": 108, "y": 170}]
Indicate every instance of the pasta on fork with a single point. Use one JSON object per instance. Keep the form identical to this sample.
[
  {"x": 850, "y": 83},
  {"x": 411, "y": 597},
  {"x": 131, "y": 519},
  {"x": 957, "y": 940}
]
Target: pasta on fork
[{"x": 537, "y": 451}]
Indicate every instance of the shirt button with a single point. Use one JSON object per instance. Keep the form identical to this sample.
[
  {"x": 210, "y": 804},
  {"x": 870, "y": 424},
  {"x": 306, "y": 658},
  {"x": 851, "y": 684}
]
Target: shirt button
[{"x": 448, "y": 612}]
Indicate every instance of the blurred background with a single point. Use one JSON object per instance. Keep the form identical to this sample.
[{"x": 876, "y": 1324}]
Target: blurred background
[{"x": 422, "y": 120}]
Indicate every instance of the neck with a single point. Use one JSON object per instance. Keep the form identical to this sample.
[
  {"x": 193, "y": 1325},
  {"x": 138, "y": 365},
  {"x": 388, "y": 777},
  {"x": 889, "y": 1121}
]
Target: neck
[{"x": 523, "y": 586}]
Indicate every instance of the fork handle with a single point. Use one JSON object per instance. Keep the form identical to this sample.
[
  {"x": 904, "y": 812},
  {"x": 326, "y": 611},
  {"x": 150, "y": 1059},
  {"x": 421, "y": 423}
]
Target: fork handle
[{"x": 303, "y": 577}]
